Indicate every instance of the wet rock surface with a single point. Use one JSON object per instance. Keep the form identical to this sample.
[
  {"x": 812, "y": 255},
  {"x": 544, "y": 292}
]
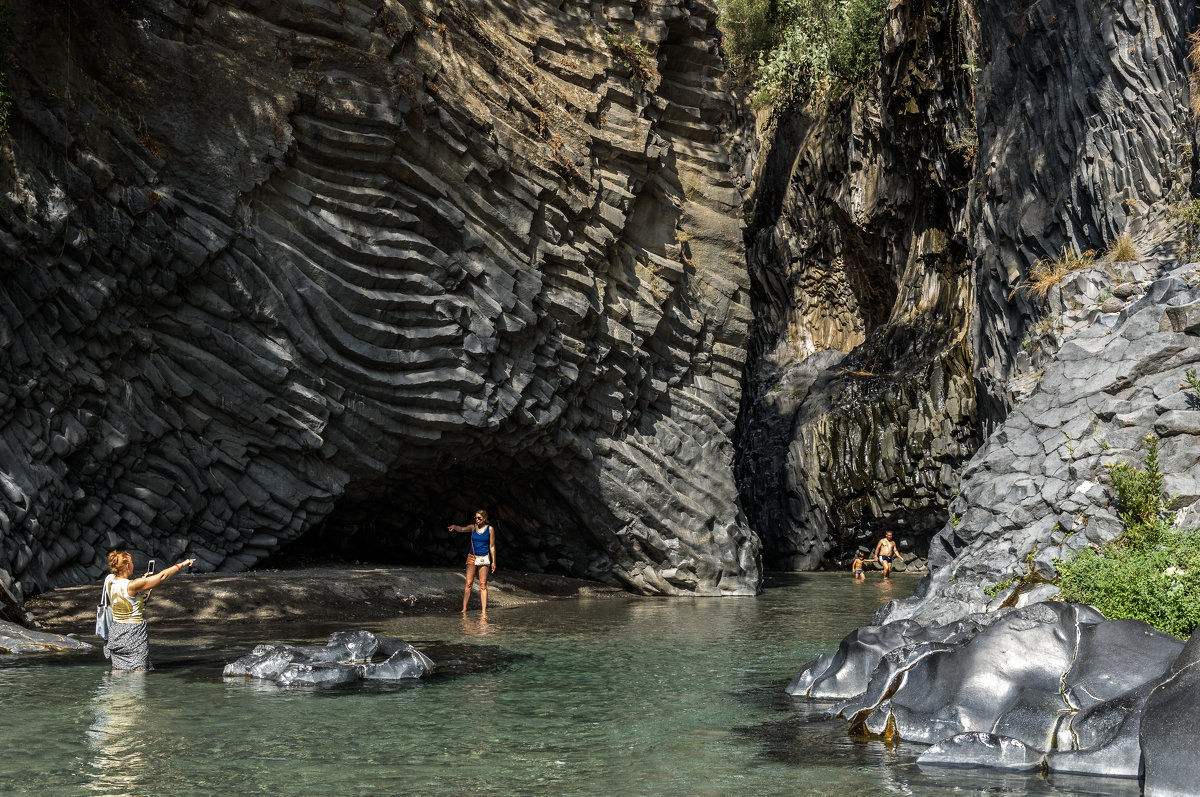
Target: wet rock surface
[
  {"x": 347, "y": 657},
  {"x": 15, "y": 640},
  {"x": 1052, "y": 685},
  {"x": 1168, "y": 725},
  {"x": 358, "y": 267}
]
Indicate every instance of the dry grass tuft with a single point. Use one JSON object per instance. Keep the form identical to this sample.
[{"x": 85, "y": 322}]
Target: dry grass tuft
[
  {"x": 1123, "y": 250},
  {"x": 1047, "y": 272}
]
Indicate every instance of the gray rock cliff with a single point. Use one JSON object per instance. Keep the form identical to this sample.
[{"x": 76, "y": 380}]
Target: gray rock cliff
[
  {"x": 355, "y": 268},
  {"x": 893, "y": 237}
]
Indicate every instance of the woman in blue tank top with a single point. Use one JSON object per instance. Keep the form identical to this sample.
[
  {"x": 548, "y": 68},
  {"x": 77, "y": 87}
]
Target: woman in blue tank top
[{"x": 481, "y": 559}]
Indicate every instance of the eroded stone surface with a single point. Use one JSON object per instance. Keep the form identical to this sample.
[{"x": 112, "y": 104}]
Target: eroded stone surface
[{"x": 365, "y": 267}]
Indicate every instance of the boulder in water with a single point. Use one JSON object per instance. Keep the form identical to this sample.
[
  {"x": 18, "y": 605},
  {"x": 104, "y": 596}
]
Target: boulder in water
[
  {"x": 347, "y": 657},
  {"x": 1050, "y": 682},
  {"x": 15, "y": 639}
]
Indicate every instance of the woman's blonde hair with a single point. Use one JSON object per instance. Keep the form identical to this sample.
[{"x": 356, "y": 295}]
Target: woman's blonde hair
[
  {"x": 117, "y": 560},
  {"x": 482, "y": 512}
]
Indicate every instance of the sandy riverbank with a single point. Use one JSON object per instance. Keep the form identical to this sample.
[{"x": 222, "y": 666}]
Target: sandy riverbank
[{"x": 341, "y": 592}]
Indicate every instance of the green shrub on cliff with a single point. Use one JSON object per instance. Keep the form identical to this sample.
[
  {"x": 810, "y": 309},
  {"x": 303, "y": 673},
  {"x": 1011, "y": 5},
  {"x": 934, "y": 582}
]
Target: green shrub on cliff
[
  {"x": 800, "y": 48},
  {"x": 1152, "y": 571},
  {"x": 1159, "y": 584}
]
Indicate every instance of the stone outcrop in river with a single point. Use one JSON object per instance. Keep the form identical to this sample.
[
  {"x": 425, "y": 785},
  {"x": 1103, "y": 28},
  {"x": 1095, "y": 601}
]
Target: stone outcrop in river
[
  {"x": 356, "y": 268},
  {"x": 1050, "y": 686},
  {"x": 347, "y": 657}
]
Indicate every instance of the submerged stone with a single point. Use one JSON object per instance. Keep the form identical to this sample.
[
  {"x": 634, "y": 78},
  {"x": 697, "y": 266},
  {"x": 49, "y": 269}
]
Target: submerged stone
[
  {"x": 346, "y": 658},
  {"x": 983, "y": 749}
]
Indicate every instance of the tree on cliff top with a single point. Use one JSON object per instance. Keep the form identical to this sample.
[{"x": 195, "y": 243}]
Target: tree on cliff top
[{"x": 796, "y": 49}]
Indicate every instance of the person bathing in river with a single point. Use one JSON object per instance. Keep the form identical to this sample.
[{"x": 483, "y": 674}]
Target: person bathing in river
[
  {"x": 885, "y": 552},
  {"x": 128, "y": 644},
  {"x": 482, "y": 557},
  {"x": 857, "y": 566}
]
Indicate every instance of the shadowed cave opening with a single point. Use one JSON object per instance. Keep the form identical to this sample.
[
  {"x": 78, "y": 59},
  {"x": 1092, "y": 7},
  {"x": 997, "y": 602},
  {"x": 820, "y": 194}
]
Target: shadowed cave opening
[{"x": 402, "y": 521}]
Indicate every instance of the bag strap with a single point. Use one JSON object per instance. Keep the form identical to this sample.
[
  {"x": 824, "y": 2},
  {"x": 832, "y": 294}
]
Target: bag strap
[{"x": 104, "y": 590}]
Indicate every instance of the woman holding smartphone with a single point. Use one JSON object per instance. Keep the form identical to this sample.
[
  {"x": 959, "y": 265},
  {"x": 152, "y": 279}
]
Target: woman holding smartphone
[
  {"x": 482, "y": 557},
  {"x": 128, "y": 640}
]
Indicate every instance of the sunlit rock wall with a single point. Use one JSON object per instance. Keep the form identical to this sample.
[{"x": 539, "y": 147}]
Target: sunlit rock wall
[
  {"x": 267, "y": 265},
  {"x": 860, "y": 401}
]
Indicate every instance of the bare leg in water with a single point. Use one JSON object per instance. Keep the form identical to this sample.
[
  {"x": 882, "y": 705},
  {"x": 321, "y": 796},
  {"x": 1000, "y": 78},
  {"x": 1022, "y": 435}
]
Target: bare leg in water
[{"x": 470, "y": 581}]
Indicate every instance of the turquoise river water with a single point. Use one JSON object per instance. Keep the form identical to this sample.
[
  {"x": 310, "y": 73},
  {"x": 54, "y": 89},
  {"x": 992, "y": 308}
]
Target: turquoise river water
[{"x": 592, "y": 697}]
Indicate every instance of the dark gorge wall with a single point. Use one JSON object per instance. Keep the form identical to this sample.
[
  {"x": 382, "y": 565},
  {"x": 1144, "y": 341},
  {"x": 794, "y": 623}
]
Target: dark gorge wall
[
  {"x": 268, "y": 269},
  {"x": 1085, "y": 134},
  {"x": 893, "y": 234},
  {"x": 860, "y": 402}
]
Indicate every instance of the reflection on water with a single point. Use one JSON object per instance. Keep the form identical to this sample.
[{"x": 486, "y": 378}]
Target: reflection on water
[
  {"x": 116, "y": 737},
  {"x": 639, "y": 696}
]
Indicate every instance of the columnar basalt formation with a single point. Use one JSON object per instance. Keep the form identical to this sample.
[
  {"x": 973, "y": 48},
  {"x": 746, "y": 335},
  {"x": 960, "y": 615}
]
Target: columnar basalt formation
[
  {"x": 860, "y": 400},
  {"x": 1040, "y": 488},
  {"x": 1085, "y": 134},
  {"x": 895, "y": 235},
  {"x": 1080, "y": 387},
  {"x": 269, "y": 267}
]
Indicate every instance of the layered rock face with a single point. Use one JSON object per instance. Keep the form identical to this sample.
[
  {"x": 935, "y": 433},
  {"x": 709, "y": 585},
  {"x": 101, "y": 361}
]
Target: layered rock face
[
  {"x": 269, "y": 266},
  {"x": 1084, "y": 134},
  {"x": 860, "y": 400}
]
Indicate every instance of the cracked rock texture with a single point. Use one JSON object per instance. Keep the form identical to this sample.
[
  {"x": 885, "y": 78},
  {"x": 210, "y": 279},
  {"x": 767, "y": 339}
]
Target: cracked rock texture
[
  {"x": 1039, "y": 488},
  {"x": 355, "y": 268}
]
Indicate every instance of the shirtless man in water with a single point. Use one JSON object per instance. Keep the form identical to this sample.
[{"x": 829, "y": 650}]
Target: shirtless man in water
[{"x": 885, "y": 552}]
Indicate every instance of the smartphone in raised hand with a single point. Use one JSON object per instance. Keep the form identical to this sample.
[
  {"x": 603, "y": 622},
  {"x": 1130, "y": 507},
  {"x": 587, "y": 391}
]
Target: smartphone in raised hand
[{"x": 150, "y": 568}]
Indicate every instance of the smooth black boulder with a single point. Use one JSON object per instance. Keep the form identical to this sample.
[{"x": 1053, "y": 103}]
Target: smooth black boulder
[
  {"x": 1051, "y": 684},
  {"x": 1168, "y": 728}
]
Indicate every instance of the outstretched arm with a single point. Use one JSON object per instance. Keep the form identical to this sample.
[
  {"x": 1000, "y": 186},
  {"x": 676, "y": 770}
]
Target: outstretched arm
[{"x": 147, "y": 583}]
